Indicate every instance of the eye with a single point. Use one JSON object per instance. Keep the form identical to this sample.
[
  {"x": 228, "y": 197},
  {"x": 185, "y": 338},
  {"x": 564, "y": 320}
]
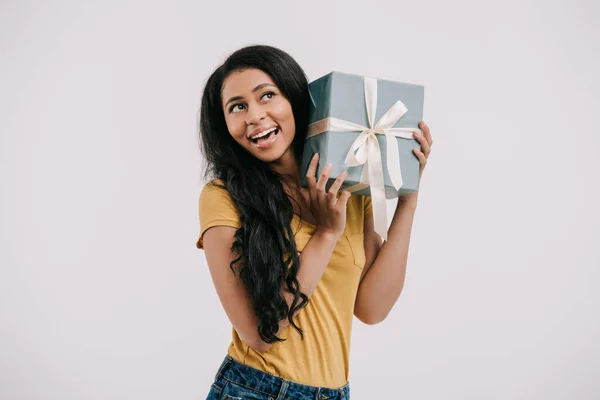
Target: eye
[
  {"x": 271, "y": 93},
  {"x": 233, "y": 106},
  {"x": 231, "y": 109}
]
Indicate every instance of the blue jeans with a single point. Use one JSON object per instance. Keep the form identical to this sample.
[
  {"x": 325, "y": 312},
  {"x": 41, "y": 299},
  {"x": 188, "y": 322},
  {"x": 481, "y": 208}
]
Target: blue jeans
[{"x": 237, "y": 381}]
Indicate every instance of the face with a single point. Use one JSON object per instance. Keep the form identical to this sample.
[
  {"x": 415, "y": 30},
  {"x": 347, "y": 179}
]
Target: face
[{"x": 254, "y": 106}]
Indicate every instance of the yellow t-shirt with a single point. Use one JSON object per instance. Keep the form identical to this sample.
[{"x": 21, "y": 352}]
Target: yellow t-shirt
[{"x": 322, "y": 358}]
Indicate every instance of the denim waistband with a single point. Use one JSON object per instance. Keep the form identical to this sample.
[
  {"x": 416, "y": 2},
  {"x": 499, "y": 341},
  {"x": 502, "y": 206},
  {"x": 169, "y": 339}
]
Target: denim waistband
[{"x": 274, "y": 386}]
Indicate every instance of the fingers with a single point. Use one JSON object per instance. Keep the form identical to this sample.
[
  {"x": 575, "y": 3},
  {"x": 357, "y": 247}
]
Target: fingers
[
  {"x": 425, "y": 148},
  {"x": 333, "y": 190},
  {"x": 310, "y": 176},
  {"x": 422, "y": 158},
  {"x": 323, "y": 178},
  {"x": 343, "y": 200},
  {"x": 322, "y": 185},
  {"x": 312, "y": 169},
  {"x": 426, "y": 133},
  {"x": 317, "y": 189},
  {"x": 339, "y": 203}
]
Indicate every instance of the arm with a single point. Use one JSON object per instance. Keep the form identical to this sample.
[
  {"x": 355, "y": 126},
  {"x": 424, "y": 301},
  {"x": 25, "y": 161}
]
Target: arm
[
  {"x": 385, "y": 269},
  {"x": 232, "y": 293},
  {"x": 383, "y": 276}
]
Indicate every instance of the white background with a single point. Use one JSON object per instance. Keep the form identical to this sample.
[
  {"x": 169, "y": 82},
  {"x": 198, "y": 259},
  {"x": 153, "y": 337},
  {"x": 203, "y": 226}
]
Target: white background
[{"x": 103, "y": 294}]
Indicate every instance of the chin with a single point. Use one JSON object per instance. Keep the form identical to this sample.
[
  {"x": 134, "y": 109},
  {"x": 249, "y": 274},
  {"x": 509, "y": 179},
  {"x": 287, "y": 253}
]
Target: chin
[{"x": 271, "y": 156}]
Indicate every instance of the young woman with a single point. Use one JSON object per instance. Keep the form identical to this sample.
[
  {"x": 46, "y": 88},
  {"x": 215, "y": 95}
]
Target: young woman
[{"x": 291, "y": 266}]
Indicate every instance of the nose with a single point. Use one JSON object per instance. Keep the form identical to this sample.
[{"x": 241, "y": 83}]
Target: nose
[{"x": 254, "y": 115}]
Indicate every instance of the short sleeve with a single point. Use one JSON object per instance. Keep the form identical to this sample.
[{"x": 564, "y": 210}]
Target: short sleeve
[
  {"x": 368, "y": 207},
  {"x": 215, "y": 208}
]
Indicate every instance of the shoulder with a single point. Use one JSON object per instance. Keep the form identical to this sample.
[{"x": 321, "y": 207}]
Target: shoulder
[
  {"x": 216, "y": 208},
  {"x": 214, "y": 193},
  {"x": 214, "y": 187}
]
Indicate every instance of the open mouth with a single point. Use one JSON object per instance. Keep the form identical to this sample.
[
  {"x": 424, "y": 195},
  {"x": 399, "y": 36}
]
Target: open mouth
[{"x": 265, "y": 138}]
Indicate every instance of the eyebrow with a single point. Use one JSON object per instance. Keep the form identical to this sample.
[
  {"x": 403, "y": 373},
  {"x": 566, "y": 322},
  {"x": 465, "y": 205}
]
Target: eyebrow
[{"x": 256, "y": 89}]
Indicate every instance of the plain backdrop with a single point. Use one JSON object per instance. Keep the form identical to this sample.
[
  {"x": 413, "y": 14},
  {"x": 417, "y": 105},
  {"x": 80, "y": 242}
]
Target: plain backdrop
[{"x": 103, "y": 294}]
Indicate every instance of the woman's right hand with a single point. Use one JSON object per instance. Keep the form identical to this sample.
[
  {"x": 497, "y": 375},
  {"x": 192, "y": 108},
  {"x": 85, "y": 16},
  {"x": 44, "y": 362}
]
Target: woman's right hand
[{"x": 329, "y": 210}]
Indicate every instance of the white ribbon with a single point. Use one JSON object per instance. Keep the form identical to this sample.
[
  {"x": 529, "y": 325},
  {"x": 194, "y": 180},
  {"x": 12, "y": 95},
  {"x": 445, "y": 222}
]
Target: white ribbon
[{"x": 365, "y": 150}]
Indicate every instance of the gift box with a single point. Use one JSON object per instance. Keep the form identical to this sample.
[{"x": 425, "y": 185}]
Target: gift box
[{"x": 365, "y": 126}]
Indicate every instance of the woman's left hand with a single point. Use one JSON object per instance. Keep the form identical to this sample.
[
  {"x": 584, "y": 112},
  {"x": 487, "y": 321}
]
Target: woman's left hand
[
  {"x": 426, "y": 142},
  {"x": 422, "y": 154}
]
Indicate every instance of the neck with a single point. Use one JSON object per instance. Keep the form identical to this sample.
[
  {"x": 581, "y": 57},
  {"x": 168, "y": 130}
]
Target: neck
[{"x": 288, "y": 168}]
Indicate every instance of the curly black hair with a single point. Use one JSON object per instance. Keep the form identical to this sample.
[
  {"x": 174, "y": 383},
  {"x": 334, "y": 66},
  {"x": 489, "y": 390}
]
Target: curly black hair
[{"x": 265, "y": 248}]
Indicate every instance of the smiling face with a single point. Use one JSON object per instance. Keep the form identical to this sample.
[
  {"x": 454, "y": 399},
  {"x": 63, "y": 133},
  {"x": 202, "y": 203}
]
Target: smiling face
[{"x": 253, "y": 105}]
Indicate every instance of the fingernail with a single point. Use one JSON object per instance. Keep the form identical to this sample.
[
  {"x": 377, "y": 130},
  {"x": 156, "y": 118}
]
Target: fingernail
[{"x": 417, "y": 133}]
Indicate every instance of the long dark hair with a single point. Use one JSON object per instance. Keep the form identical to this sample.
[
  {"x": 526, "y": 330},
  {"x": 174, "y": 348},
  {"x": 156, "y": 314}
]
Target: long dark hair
[{"x": 266, "y": 211}]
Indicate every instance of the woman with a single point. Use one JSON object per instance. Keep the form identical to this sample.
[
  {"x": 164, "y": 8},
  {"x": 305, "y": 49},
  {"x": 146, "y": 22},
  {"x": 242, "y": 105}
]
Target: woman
[{"x": 290, "y": 265}]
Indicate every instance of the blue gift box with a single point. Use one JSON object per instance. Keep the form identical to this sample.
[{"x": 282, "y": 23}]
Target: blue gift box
[
  {"x": 339, "y": 119},
  {"x": 341, "y": 95}
]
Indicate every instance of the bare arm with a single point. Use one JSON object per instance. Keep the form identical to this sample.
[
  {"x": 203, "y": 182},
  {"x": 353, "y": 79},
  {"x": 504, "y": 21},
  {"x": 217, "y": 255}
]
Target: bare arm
[
  {"x": 383, "y": 276},
  {"x": 233, "y": 294}
]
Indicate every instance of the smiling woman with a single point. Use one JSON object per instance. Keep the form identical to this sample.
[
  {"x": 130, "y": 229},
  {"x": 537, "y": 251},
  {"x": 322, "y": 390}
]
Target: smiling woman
[
  {"x": 254, "y": 104},
  {"x": 280, "y": 256}
]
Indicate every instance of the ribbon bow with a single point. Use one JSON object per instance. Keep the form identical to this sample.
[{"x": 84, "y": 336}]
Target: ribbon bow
[{"x": 365, "y": 149}]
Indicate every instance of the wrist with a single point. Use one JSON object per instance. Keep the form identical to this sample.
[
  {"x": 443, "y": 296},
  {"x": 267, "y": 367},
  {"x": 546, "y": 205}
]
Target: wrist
[{"x": 327, "y": 236}]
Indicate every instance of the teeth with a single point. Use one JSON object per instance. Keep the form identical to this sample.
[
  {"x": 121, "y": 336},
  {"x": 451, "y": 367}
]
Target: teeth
[{"x": 261, "y": 134}]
